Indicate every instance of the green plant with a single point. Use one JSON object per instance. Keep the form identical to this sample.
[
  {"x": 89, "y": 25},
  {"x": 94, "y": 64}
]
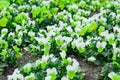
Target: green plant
[
  {"x": 113, "y": 76},
  {"x": 51, "y": 70},
  {"x": 3, "y": 22},
  {"x": 4, "y": 4}
]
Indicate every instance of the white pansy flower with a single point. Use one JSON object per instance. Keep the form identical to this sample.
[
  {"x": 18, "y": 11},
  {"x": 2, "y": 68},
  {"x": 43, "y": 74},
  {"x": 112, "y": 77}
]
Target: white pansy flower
[
  {"x": 53, "y": 59},
  {"x": 31, "y": 34},
  {"x": 33, "y": 22},
  {"x": 51, "y": 71},
  {"x": 67, "y": 39},
  {"x": 69, "y": 29},
  {"x": 59, "y": 37},
  {"x": 28, "y": 65},
  {"x": 107, "y": 35},
  {"x": 30, "y": 77},
  {"x": 110, "y": 36},
  {"x": 64, "y": 47},
  {"x": 59, "y": 40},
  {"x": 80, "y": 39},
  {"x": 111, "y": 74},
  {"x": 27, "y": 68},
  {"x": 62, "y": 24},
  {"x": 115, "y": 28},
  {"x": 51, "y": 56},
  {"x": 46, "y": 40},
  {"x": 63, "y": 54},
  {"x": 4, "y": 31},
  {"x": 104, "y": 33},
  {"x": 114, "y": 45},
  {"x": 18, "y": 41},
  {"x": 69, "y": 59},
  {"x": 80, "y": 44},
  {"x": 9, "y": 77},
  {"x": 27, "y": 15},
  {"x": 11, "y": 34},
  {"x": 45, "y": 58},
  {"x": 101, "y": 44},
  {"x": 46, "y": 3},
  {"x": 16, "y": 75},
  {"x": 40, "y": 40},
  {"x": 20, "y": 34},
  {"x": 51, "y": 33},
  {"x": 70, "y": 68},
  {"x": 92, "y": 59},
  {"x": 97, "y": 38},
  {"x": 77, "y": 29},
  {"x": 23, "y": 23},
  {"x": 87, "y": 42},
  {"x": 113, "y": 14},
  {"x": 64, "y": 78},
  {"x": 74, "y": 6},
  {"x": 103, "y": 19},
  {"x": 18, "y": 27},
  {"x": 48, "y": 78},
  {"x": 73, "y": 43},
  {"x": 37, "y": 63},
  {"x": 118, "y": 36},
  {"x": 75, "y": 63},
  {"x": 118, "y": 16},
  {"x": 29, "y": 23}
]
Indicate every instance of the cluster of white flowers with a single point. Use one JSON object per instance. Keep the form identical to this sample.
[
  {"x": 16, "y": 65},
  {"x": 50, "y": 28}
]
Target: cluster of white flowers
[
  {"x": 79, "y": 25},
  {"x": 92, "y": 59},
  {"x": 101, "y": 44},
  {"x": 51, "y": 72},
  {"x": 16, "y": 75},
  {"x": 73, "y": 67},
  {"x": 63, "y": 54},
  {"x": 27, "y": 67}
]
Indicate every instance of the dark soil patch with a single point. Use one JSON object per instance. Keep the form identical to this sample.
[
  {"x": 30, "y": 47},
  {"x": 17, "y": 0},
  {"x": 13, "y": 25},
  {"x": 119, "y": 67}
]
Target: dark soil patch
[
  {"x": 91, "y": 71},
  {"x": 21, "y": 61}
]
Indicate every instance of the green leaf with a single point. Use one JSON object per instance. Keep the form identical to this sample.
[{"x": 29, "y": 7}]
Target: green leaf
[
  {"x": 36, "y": 12},
  {"x": 59, "y": 42},
  {"x": 111, "y": 41},
  {"x": 18, "y": 55},
  {"x": 16, "y": 49},
  {"x": 71, "y": 74},
  {"x": 3, "y": 53},
  {"x": 93, "y": 26},
  {"x": 4, "y": 4},
  {"x": 46, "y": 48},
  {"x": 3, "y": 22},
  {"x": 114, "y": 76},
  {"x": 114, "y": 57},
  {"x": 27, "y": 68},
  {"x": 83, "y": 31},
  {"x": 53, "y": 76},
  {"x": 19, "y": 1},
  {"x": 19, "y": 18},
  {"x": 43, "y": 65},
  {"x": 100, "y": 49},
  {"x": 101, "y": 29},
  {"x": 81, "y": 50}
]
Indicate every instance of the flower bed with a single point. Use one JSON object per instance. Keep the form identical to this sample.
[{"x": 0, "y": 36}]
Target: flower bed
[{"x": 40, "y": 27}]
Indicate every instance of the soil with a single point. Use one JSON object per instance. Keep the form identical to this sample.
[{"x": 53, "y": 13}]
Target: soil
[
  {"x": 90, "y": 70},
  {"x": 27, "y": 57}
]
